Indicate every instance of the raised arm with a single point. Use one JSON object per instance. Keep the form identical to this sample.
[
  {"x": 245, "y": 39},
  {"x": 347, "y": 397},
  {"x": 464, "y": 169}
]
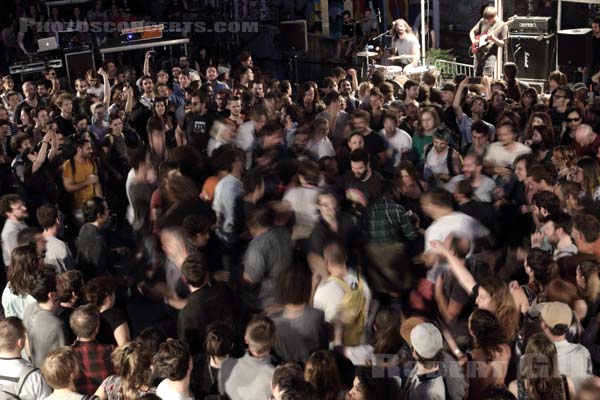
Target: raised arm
[
  {"x": 458, "y": 99},
  {"x": 41, "y": 157},
  {"x": 106, "y": 87},
  {"x": 147, "y": 69},
  {"x": 129, "y": 103},
  {"x": 457, "y": 267}
]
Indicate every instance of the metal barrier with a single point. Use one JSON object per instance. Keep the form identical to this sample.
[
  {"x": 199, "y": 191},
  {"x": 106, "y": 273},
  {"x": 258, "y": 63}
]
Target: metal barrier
[{"x": 449, "y": 69}]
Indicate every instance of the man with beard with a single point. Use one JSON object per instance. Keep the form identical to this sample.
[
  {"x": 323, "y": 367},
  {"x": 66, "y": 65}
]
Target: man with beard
[
  {"x": 346, "y": 92},
  {"x": 31, "y": 100},
  {"x": 361, "y": 182},
  {"x": 184, "y": 63},
  {"x": 557, "y": 231},
  {"x": 13, "y": 208},
  {"x": 211, "y": 75},
  {"x": 472, "y": 169},
  {"x": 147, "y": 97},
  {"x": 196, "y": 124},
  {"x": 80, "y": 176}
]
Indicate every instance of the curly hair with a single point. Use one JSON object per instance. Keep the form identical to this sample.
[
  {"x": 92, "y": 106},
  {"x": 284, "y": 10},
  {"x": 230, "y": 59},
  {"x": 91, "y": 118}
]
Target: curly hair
[
  {"x": 322, "y": 372},
  {"x": 24, "y": 261},
  {"x": 543, "y": 267},
  {"x": 172, "y": 359},
  {"x": 98, "y": 289}
]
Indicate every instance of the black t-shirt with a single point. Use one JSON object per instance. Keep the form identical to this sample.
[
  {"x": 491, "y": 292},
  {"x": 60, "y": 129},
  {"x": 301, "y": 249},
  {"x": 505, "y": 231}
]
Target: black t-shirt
[
  {"x": 350, "y": 29},
  {"x": 197, "y": 129},
  {"x": 453, "y": 290},
  {"x": 374, "y": 144},
  {"x": 65, "y": 126},
  {"x": 138, "y": 120},
  {"x": 482, "y": 212},
  {"x": 371, "y": 188},
  {"x": 110, "y": 320}
]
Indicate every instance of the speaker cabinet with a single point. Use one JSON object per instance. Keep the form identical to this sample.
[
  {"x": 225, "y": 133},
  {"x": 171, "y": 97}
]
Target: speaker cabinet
[
  {"x": 77, "y": 64},
  {"x": 534, "y": 55},
  {"x": 575, "y": 47},
  {"x": 293, "y": 36}
]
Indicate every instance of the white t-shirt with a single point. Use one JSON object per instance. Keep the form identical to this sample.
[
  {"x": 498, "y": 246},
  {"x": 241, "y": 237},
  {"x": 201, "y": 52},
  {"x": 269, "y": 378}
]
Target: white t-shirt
[
  {"x": 329, "y": 295},
  {"x": 166, "y": 392},
  {"x": 320, "y": 149},
  {"x": 455, "y": 222},
  {"x": 451, "y": 223},
  {"x": 400, "y": 142},
  {"x": 483, "y": 192},
  {"x": 498, "y": 155},
  {"x": 303, "y": 201}
]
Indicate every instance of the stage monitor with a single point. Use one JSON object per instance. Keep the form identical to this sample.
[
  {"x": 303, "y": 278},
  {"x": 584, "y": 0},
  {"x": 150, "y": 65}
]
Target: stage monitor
[{"x": 293, "y": 36}]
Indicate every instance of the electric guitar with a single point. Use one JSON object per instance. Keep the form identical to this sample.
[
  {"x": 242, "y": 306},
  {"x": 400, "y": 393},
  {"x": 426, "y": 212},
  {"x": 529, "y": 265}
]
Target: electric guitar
[{"x": 482, "y": 44}]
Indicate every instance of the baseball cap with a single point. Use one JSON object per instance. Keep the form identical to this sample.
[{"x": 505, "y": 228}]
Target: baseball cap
[
  {"x": 555, "y": 313},
  {"x": 579, "y": 86},
  {"x": 426, "y": 339},
  {"x": 408, "y": 325},
  {"x": 449, "y": 87}
]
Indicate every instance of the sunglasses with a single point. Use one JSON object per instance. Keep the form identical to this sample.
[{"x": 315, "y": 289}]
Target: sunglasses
[{"x": 569, "y": 120}]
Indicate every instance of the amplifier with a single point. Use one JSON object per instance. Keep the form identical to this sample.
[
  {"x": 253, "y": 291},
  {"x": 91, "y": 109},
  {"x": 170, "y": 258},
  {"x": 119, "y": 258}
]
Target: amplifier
[{"x": 533, "y": 26}]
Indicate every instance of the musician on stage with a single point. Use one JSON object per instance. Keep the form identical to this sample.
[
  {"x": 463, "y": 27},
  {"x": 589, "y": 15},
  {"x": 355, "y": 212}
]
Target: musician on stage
[
  {"x": 405, "y": 42},
  {"x": 485, "y": 57}
]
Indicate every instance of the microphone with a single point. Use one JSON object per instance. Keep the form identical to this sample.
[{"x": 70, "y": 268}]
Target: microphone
[{"x": 379, "y": 16}]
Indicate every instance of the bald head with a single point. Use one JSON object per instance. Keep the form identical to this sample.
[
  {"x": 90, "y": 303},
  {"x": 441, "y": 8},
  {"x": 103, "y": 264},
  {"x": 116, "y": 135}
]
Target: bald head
[{"x": 584, "y": 135}]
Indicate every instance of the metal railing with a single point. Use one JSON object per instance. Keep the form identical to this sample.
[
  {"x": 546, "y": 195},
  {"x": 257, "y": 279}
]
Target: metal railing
[{"x": 449, "y": 69}]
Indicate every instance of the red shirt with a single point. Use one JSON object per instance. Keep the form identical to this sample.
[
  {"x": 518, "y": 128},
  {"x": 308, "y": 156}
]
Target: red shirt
[
  {"x": 589, "y": 150},
  {"x": 94, "y": 363}
]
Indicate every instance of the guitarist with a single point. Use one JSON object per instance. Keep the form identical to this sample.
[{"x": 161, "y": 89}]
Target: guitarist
[{"x": 485, "y": 57}]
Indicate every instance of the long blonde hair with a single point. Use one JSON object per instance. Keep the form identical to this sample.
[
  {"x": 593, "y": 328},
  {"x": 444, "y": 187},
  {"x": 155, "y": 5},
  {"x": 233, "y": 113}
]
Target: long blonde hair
[{"x": 397, "y": 22}]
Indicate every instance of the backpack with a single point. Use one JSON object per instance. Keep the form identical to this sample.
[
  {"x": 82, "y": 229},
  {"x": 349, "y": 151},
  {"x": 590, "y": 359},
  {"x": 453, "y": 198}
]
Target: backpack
[
  {"x": 20, "y": 381},
  {"x": 449, "y": 158},
  {"x": 354, "y": 314}
]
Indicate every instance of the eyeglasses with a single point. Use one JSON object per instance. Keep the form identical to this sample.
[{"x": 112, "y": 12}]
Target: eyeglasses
[
  {"x": 569, "y": 120},
  {"x": 559, "y": 96}
]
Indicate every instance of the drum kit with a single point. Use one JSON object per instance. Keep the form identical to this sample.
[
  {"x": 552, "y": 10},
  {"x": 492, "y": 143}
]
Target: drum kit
[{"x": 393, "y": 73}]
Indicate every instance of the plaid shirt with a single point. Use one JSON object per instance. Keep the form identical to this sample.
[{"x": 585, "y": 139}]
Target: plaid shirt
[
  {"x": 387, "y": 222},
  {"x": 95, "y": 365}
]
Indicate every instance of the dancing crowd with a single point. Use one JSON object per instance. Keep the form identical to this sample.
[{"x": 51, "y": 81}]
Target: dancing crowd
[{"x": 204, "y": 232}]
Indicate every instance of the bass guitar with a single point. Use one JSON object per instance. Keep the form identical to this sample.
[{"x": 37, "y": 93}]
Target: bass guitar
[{"x": 482, "y": 44}]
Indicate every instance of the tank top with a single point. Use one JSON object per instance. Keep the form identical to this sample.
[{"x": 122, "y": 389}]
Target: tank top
[{"x": 437, "y": 163}]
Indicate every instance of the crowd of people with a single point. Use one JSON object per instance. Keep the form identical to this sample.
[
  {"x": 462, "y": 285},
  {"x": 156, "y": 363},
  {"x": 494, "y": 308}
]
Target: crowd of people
[{"x": 202, "y": 233}]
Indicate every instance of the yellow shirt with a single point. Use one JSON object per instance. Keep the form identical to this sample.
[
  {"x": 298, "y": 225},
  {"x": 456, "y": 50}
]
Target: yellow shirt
[{"x": 82, "y": 173}]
